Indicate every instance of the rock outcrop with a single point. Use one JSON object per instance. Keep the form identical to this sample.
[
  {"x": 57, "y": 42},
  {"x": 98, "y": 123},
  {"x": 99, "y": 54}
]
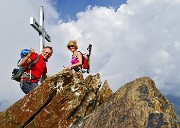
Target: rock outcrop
[
  {"x": 138, "y": 104},
  {"x": 68, "y": 100}
]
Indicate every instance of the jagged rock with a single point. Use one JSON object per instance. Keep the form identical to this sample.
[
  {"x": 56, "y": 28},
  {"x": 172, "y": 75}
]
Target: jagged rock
[
  {"x": 104, "y": 93},
  {"x": 100, "y": 96},
  {"x": 68, "y": 100},
  {"x": 60, "y": 101},
  {"x": 138, "y": 104},
  {"x": 23, "y": 111}
]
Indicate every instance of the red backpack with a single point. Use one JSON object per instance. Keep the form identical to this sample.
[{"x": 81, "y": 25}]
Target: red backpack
[
  {"x": 86, "y": 60},
  {"x": 85, "y": 63}
]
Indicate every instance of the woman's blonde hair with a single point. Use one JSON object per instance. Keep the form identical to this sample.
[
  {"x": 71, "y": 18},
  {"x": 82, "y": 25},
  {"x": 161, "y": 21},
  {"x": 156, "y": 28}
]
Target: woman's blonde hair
[{"x": 72, "y": 42}]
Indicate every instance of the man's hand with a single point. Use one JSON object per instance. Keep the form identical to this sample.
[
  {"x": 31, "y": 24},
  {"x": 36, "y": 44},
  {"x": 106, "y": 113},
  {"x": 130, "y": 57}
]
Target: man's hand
[{"x": 31, "y": 51}]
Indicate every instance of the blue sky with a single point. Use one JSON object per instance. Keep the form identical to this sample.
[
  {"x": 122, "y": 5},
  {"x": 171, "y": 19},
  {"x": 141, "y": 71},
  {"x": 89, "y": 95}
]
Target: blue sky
[
  {"x": 132, "y": 40},
  {"x": 68, "y": 8}
]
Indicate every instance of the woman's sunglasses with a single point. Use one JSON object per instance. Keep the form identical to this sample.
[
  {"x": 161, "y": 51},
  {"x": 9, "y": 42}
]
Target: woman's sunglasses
[{"x": 70, "y": 46}]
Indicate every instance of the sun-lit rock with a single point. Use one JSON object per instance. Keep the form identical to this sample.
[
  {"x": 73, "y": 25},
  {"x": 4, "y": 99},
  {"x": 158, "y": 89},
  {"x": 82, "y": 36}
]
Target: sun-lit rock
[{"x": 67, "y": 100}]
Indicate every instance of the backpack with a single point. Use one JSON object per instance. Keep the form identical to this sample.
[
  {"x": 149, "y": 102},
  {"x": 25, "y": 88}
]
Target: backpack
[
  {"x": 86, "y": 60},
  {"x": 18, "y": 71},
  {"x": 85, "y": 63}
]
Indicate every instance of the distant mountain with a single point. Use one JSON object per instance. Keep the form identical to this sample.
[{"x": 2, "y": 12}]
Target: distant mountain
[
  {"x": 177, "y": 111},
  {"x": 4, "y": 104},
  {"x": 175, "y": 100}
]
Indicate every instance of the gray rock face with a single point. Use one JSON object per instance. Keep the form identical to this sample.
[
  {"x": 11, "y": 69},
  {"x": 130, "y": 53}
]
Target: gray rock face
[{"x": 68, "y": 100}]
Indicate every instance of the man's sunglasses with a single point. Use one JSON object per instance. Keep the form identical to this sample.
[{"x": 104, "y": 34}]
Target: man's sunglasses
[{"x": 70, "y": 46}]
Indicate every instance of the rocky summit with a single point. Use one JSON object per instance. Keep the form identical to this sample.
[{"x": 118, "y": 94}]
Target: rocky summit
[{"x": 67, "y": 100}]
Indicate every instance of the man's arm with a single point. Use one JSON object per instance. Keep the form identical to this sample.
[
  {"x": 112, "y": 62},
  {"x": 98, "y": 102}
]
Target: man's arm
[{"x": 25, "y": 61}]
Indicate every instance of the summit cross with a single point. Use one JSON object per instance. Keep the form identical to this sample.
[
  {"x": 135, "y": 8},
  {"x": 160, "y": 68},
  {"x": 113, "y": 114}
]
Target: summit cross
[{"x": 40, "y": 28}]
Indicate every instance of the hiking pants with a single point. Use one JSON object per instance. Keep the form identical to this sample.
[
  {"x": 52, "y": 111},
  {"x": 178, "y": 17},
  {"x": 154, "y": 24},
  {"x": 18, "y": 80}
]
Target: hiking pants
[{"x": 27, "y": 86}]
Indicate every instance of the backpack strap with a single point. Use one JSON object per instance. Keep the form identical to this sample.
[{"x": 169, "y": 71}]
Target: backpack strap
[
  {"x": 19, "y": 62},
  {"x": 29, "y": 75},
  {"x": 76, "y": 54},
  {"x": 82, "y": 57}
]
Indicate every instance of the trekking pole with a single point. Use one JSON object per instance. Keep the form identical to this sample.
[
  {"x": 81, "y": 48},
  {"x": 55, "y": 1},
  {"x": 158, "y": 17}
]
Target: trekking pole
[{"x": 89, "y": 49}]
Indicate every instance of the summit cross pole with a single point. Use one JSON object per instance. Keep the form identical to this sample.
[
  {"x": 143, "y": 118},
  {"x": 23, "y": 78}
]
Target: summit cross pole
[{"x": 40, "y": 28}]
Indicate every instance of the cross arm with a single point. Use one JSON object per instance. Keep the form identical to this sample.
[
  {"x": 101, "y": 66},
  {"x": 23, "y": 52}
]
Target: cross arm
[
  {"x": 35, "y": 25},
  {"x": 38, "y": 28}
]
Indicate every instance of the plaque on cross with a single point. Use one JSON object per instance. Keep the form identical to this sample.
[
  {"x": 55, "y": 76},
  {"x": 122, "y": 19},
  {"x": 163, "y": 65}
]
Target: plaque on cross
[{"x": 40, "y": 28}]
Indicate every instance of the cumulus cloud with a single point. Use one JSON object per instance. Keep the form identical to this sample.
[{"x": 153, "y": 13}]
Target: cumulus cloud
[{"x": 140, "y": 38}]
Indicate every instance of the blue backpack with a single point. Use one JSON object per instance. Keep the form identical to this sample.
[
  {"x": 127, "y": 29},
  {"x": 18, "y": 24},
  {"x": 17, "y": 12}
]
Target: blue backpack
[{"x": 18, "y": 71}]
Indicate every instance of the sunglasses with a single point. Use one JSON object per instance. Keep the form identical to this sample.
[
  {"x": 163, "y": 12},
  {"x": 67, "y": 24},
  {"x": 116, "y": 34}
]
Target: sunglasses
[{"x": 70, "y": 46}]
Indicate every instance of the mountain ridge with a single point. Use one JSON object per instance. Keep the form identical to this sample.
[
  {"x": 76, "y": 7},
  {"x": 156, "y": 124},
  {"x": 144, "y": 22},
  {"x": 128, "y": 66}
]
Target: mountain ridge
[{"x": 66, "y": 99}]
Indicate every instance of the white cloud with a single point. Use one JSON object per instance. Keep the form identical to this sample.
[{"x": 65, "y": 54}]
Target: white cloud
[{"x": 139, "y": 39}]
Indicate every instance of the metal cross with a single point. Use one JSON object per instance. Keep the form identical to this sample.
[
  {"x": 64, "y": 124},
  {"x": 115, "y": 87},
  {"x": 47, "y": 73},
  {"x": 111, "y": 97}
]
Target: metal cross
[{"x": 40, "y": 28}]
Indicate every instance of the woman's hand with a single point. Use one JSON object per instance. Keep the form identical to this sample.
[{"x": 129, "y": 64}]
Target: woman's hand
[{"x": 70, "y": 67}]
